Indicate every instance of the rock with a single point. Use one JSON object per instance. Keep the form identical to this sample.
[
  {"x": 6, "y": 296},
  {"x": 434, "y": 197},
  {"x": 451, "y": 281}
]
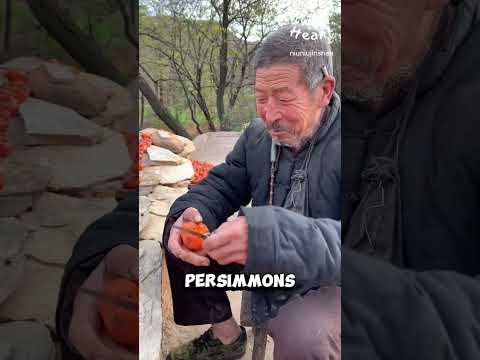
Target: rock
[
  {"x": 77, "y": 94},
  {"x": 50, "y": 245},
  {"x": 189, "y": 147},
  {"x": 168, "y": 141},
  {"x": 143, "y": 221},
  {"x": 172, "y": 144},
  {"x": 177, "y": 144},
  {"x": 145, "y": 190},
  {"x": 54, "y": 210},
  {"x": 60, "y": 72},
  {"x": 11, "y": 275},
  {"x": 26, "y": 340},
  {"x": 11, "y": 206},
  {"x": 154, "y": 229},
  {"x": 160, "y": 156},
  {"x": 213, "y": 146},
  {"x": 143, "y": 213},
  {"x": 150, "y": 131},
  {"x": 75, "y": 214},
  {"x": 150, "y": 307},
  {"x": 144, "y": 204},
  {"x": 79, "y": 167},
  {"x": 103, "y": 190},
  {"x": 36, "y": 295},
  {"x": 25, "y": 63},
  {"x": 181, "y": 184},
  {"x": 50, "y": 124},
  {"x": 148, "y": 179},
  {"x": 166, "y": 192},
  {"x": 99, "y": 82},
  {"x": 16, "y": 133},
  {"x": 120, "y": 107},
  {"x": 30, "y": 221},
  {"x": 21, "y": 178},
  {"x": 166, "y": 174},
  {"x": 161, "y": 207},
  {"x": 13, "y": 236}
]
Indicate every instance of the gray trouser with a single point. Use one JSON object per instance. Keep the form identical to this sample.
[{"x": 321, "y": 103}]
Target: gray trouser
[{"x": 309, "y": 328}]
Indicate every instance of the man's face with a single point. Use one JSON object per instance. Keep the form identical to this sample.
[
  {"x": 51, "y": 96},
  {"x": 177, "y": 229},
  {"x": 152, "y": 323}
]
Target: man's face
[
  {"x": 289, "y": 110},
  {"x": 381, "y": 38}
]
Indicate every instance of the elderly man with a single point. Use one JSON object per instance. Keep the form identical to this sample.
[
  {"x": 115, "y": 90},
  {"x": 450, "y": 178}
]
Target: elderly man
[
  {"x": 288, "y": 163},
  {"x": 411, "y": 177}
]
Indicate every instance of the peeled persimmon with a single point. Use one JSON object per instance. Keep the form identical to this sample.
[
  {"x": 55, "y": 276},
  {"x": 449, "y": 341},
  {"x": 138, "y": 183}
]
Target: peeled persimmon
[
  {"x": 119, "y": 323},
  {"x": 192, "y": 242}
]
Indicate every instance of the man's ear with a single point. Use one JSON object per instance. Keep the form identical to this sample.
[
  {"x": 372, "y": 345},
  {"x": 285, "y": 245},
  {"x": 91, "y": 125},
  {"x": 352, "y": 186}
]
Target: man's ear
[
  {"x": 325, "y": 90},
  {"x": 435, "y": 4}
]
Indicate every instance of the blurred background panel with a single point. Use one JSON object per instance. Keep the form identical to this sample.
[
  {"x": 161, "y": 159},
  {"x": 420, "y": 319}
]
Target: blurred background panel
[
  {"x": 410, "y": 179},
  {"x": 68, "y": 145}
]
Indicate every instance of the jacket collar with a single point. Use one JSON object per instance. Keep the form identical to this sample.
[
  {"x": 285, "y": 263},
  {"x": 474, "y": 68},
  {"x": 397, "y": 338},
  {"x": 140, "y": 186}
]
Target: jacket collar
[{"x": 456, "y": 24}]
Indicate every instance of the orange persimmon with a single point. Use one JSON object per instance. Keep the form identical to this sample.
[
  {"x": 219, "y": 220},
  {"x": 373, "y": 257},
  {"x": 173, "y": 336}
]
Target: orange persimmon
[
  {"x": 192, "y": 242},
  {"x": 16, "y": 76},
  {"x": 201, "y": 169},
  {"x": 120, "y": 324}
]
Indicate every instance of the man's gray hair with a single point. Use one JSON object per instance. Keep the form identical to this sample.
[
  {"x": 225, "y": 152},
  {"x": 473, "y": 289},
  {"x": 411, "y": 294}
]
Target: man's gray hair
[{"x": 297, "y": 44}]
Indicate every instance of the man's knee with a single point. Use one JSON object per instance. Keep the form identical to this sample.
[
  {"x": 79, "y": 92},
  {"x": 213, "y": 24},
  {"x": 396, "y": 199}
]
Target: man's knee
[
  {"x": 325, "y": 345},
  {"x": 309, "y": 328},
  {"x": 299, "y": 343}
]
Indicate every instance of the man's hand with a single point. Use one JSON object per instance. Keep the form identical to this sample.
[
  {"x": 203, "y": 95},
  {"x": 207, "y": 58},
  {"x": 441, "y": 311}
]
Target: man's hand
[
  {"x": 175, "y": 244},
  {"x": 229, "y": 243},
  {"x": 84, "y": 332}
]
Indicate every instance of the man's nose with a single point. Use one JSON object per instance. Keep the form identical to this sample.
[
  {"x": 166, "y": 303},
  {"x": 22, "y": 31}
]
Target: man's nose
[{"x": 272, "y": 113}]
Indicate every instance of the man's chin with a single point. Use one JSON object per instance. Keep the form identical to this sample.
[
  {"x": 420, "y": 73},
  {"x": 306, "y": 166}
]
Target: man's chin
[
  {"x": 355, "y": 78},
  {"x": 282, "y": 137},
  {"x": 286, "y": 143}
]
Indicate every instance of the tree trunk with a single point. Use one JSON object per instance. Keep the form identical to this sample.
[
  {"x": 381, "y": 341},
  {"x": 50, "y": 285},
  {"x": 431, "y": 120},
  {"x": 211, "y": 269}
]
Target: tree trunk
[
  {"x": 223, "y": 69},
  {"x": 130, "y": 26},
  {"x": 63, "y": 29},
  {"x": 142, "y": 110},
  {"x": 8, "y": 25},
  {"x": 160, "y": 110}
]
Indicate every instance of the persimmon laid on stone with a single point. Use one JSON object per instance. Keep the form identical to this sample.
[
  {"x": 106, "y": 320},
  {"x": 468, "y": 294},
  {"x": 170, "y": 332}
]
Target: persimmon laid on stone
[
  {"x": 192, "y": 242},
  {"x": 120, "y": 324},
  {"x": 13, "y": 92},
  {"x": 201, "y": 169},
  {"x": 16, "y": 76}
]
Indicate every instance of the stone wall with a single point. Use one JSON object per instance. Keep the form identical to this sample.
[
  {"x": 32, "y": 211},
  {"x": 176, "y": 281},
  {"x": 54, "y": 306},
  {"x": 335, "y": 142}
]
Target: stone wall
[
  {"x": 67, "y": 163},
  {"x": 164, "y": 178}
]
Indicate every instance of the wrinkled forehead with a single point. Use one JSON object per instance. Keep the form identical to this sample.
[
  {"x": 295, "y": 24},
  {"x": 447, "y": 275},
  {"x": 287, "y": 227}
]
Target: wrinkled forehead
[{"x": 279, "y": 78}]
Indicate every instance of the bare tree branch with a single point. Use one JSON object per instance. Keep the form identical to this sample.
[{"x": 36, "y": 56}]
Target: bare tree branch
[
  {"x": 79, "y": 45},
  {"x": 207, "y": 46},
  {"x": 160, "y": 110},
  {"x": 129, "y": 21},
  {"x": 8, "y": 25}
]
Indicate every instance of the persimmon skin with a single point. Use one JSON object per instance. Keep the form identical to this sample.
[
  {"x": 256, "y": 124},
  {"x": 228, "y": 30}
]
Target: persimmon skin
[
  {"x": 190, "y": 241},
  {"x": 120, "y": 324}
]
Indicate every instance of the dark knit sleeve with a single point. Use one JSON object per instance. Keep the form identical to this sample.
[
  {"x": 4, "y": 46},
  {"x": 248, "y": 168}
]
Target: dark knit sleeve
[{"x": 120, "y": 227}]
